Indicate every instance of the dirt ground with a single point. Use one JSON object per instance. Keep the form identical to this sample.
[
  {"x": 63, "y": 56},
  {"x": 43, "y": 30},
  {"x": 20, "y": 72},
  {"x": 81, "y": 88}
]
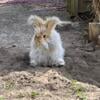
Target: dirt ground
[{"x": 79, "y": 79}]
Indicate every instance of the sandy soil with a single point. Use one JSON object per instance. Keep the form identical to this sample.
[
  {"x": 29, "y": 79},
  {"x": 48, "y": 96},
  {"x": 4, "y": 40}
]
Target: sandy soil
[{"x": 79, "y": 79}]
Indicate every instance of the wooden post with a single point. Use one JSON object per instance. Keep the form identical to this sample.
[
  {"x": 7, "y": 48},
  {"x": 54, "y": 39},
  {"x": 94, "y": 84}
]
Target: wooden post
[
  {"x": 72, "y": 6},
  {"x": 94, "y": 32}
]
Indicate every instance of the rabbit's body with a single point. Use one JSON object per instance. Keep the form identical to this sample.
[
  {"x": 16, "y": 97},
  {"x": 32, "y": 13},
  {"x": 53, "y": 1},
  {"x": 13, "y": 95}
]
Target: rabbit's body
[
  {"x": 46, "y": 44},
  {"x": 54, "y": 55}
]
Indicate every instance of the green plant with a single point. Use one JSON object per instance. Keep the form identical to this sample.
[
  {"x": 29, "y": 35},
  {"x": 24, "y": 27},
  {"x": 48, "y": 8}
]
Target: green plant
[
  {"x": 1, "y": 98},
  {"x": 9, "y": 85},
  {"x": 81, "y": 95},
  {"x": 79, "y": 90},
  {"x": 34, "y": 94}
]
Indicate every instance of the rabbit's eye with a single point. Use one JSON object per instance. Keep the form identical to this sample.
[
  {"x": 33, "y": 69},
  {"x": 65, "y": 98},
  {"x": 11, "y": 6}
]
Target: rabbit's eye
[{"x": 44, "y": 36}]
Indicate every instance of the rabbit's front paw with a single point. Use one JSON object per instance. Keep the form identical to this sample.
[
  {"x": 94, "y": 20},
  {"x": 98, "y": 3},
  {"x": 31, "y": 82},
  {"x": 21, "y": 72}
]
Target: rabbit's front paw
[
  {"x": 60, "y": 62},
  {"x": 33, "y": 63}
]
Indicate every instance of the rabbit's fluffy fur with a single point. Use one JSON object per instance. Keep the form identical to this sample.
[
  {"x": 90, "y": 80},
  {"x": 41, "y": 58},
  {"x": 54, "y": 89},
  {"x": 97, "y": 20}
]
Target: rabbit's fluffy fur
[{"x": 50, "y": 51}]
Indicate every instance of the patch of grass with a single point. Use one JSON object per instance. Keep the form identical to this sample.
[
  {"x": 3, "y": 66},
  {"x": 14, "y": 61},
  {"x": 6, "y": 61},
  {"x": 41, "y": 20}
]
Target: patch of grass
[
  {"x": 34, "y": 94},
  {"x": 9, "y": 85},
  {"x": 79, "y": 90},
  {"x": 2, "y": 98},
  {"x": 81, "y": 95}
]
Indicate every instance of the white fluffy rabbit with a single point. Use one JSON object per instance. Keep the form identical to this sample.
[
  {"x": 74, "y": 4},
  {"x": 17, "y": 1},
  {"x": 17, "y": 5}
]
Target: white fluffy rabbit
[{"x": 46, "y": 45}]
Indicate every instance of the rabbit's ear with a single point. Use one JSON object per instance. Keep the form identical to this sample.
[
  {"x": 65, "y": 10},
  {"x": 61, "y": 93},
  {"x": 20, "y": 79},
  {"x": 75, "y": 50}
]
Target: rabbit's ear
[
  {"x": 36, "y": 21},
  {"x": 52, "y": 22}
]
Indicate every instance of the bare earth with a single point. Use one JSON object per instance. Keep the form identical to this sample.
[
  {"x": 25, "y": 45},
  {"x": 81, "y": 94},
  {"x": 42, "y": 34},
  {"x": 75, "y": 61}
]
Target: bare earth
[{"x": 79, "y": 79}]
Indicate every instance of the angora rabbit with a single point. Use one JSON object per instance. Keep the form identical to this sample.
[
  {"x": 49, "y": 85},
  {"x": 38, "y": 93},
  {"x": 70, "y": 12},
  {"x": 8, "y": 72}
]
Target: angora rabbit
[{"x": 46, "y": 45}]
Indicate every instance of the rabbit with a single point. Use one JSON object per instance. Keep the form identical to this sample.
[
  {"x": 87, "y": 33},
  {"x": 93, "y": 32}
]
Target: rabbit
[{"x": 46, "y": 46}]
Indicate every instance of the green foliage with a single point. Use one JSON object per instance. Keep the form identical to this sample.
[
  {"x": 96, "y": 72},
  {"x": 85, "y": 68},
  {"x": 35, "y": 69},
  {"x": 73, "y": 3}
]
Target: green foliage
[
  {"x": 81, "y": 95},
  {"x": 2, "y": 98},
  {"x": 79, "y": 90},
  {"x": 9, "y": 85},
  {"x": 34, "y": 94}
]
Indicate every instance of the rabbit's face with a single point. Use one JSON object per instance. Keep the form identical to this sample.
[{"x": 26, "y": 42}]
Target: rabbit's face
[
  {"x": 41, "y": 36},
  {"x": 43, "y": 29}
]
